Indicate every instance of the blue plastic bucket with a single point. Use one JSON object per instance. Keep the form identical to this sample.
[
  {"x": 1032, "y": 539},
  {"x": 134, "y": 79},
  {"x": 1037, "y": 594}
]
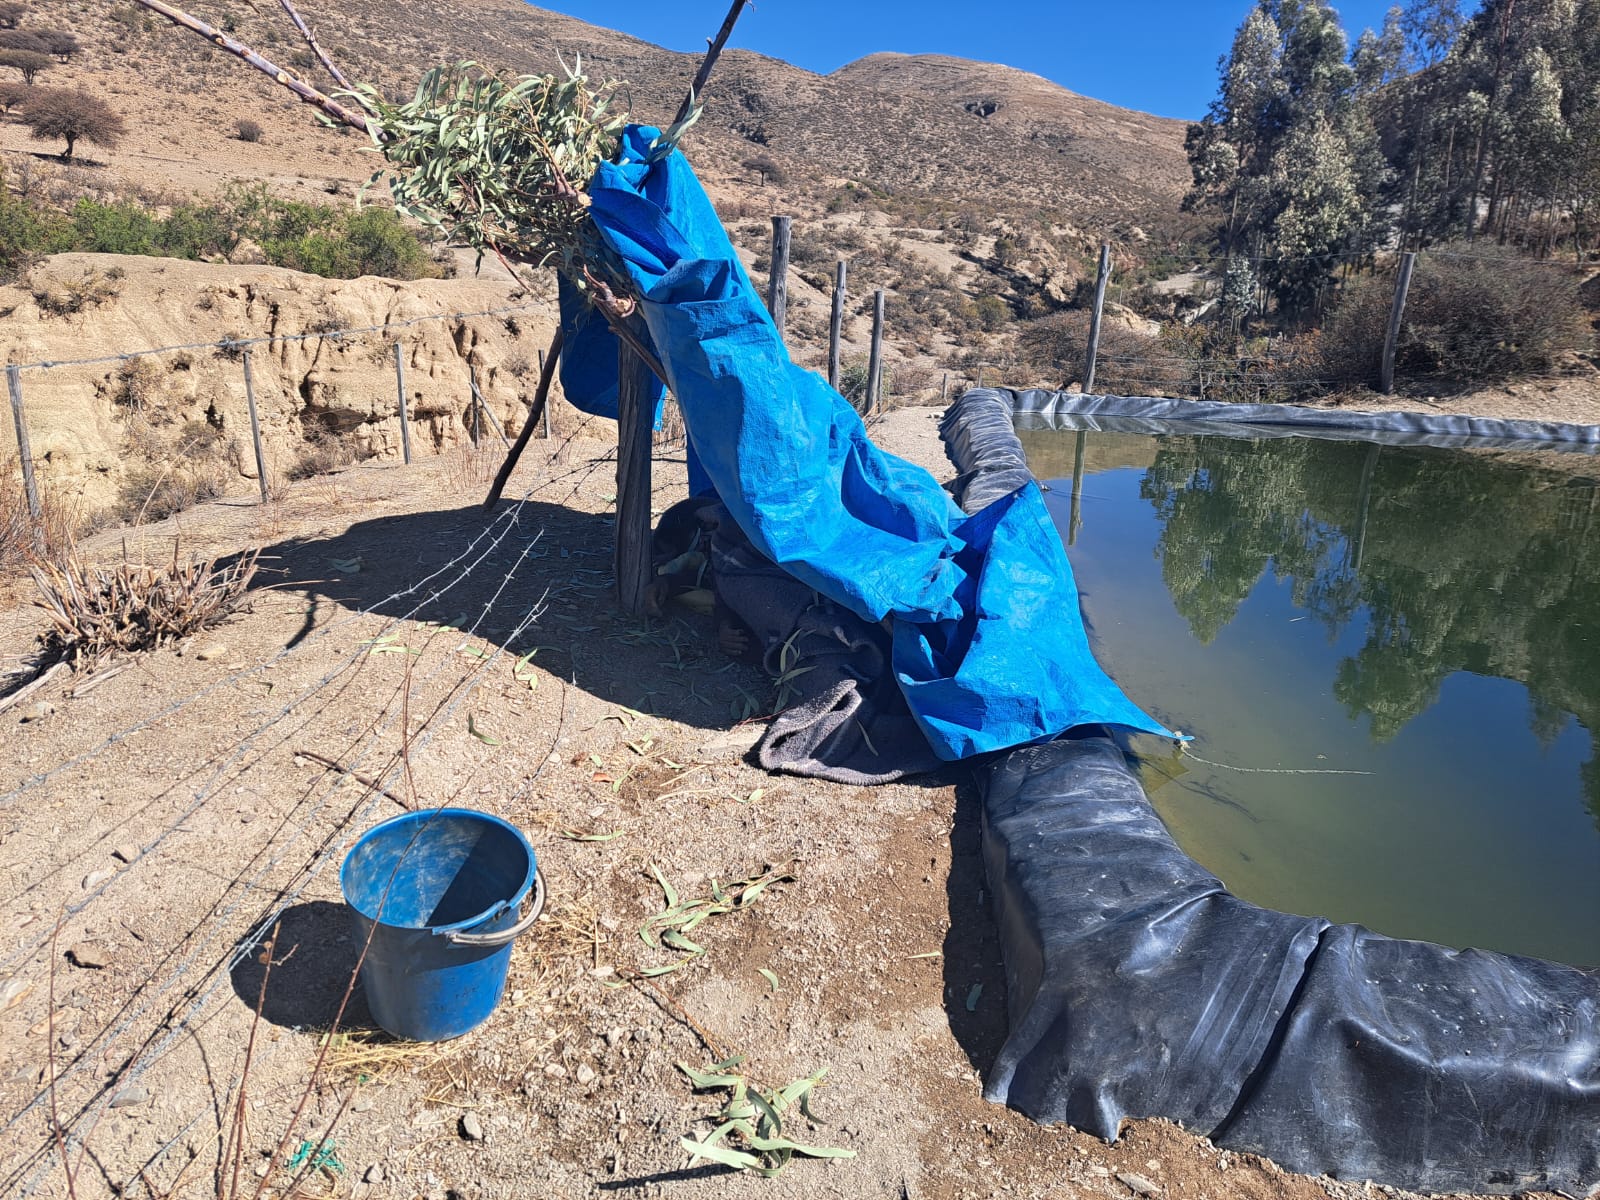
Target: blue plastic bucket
[{"x": 443, "y": 890}]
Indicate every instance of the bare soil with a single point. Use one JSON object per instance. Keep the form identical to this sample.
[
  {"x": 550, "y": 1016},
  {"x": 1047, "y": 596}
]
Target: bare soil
[{"x": 394, "y": 611}]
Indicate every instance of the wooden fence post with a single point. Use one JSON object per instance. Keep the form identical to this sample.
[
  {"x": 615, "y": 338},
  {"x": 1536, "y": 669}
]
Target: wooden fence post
[
  {"x": 1094, "y": 318},
  {"x": 1391, "y": 337},
  {"x": 255, "y": 428},
  {"x": 944, "y": 387},
  {"x": 635, "y": 426},
  {"x": 875, "y": 357},
  {"x": 29, "y": 484},
  {"x": 778, "y": 273},
  {"x": 836, "y": 323},
  {"x": 405, "y": 414}
]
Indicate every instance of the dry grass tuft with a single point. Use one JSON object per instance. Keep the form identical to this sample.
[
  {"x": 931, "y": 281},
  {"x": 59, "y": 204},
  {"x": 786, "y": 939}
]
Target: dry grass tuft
[
  {"x": 95, "y": 611},
  {"x": 24, "y": 540}
]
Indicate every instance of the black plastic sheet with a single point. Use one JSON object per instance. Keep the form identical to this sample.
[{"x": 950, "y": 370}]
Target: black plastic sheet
[{"x": 1137, "y": 986}]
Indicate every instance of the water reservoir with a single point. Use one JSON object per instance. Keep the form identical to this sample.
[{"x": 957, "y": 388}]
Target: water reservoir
[{"x": 1389, "y": 657}]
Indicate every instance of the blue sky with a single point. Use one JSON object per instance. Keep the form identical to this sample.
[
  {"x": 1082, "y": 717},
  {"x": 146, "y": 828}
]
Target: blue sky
[{"x": 1158, "y": 56}]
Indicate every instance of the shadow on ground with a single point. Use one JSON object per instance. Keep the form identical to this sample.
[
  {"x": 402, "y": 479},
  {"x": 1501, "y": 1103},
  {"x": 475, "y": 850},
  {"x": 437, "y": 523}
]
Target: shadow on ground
[
  {"x": 314, "y": 957},
  {"x": 974, "y": 973},
  {"x": 486, "y": 572}
]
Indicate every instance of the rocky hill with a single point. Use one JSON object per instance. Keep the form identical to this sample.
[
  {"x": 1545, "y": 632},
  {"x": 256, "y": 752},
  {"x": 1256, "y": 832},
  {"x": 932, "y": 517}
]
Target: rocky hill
[{"x": 975, "y": 195}]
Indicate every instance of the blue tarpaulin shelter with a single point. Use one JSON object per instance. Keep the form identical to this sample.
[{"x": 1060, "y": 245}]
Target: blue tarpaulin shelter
[{"x": 989, "y": 645}]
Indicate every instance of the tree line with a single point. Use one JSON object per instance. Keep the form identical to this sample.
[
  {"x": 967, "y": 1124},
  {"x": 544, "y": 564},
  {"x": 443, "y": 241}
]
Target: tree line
[{"x": 1443, "y": 124}]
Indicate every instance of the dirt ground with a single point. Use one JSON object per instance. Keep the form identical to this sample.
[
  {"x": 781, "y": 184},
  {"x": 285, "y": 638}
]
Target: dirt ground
[{"x": 160, "y": 815}]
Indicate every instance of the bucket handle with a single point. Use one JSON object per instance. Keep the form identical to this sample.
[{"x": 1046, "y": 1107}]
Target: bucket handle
[{"x": 505, "y": 936}]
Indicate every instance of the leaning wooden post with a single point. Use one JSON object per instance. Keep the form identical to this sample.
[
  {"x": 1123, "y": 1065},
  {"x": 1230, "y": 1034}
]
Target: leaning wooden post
[
  {"x": 1094, "y": 317},
  {"x": 255, "y": 427},
  {"x": 24, "y": 452},
  {"x": 546, "y": 406},
  {"x": 1391, "y": 336},
  {"x": 484, "y": 409},
  {"x": 635, "y": 424},
  {"x": 875, "y": 357},
  {"x": 778, "y": 275},
  {"x": 405, "y": 414},
  {"x": 540, "y": 407},
  {"x": 836, "y": 323}
]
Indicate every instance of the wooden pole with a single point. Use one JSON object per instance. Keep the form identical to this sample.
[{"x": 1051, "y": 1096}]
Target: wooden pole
[
  {"x": 255, "y": 427},
  {"x": 778, "y": 272},
  {"x": 29, "y": 484},
  {"x": 875, "y": 357},
  {"x": 541, "y": 405},
  {"x": 542, "y": 399},
  {"x": 836, "y": 322},
  {"x": 405, "y": 412},
  {"x": 483, "y": 407},
  {"x": 1094, "y": 317},
  {"x": 944, "y": 387},
  {"x": 476, "y": 429},
  {"x": 1391, "y": 337},
  {"x": 635, "y": 422}
]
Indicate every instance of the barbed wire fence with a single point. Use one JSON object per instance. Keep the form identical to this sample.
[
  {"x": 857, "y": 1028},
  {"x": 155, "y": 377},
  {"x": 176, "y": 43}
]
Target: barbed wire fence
[{"x": 171, "y": 997}]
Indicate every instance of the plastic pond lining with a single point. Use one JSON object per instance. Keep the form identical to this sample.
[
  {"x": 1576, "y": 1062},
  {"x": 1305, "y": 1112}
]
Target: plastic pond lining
[{"x": 1139, "y": 987}]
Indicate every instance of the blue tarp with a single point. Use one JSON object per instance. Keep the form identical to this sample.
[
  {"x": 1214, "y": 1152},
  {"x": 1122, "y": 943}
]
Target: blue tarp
[{"x": 989, "y": 645}]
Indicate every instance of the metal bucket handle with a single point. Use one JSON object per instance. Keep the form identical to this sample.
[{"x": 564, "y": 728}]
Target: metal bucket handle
[{"x": 504, "y": 936}]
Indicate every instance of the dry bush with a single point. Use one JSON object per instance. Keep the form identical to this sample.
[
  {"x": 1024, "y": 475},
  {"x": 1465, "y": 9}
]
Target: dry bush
[
  {"x": 1056, "y": 348},
  {"x": 24, "y": 540},
  {"x": 95, "y": 611},
  {"x": 61, "y": 298},
  {"x": 323, "y": 451},
  {"x": 1470, "y": 319},
  {"x": 248, "y": 130},
  {"x": 190, "y": 467}
]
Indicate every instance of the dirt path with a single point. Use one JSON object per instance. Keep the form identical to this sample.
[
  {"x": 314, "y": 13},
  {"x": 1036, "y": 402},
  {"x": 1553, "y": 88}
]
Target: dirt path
[{"x": 396, "y": 605}]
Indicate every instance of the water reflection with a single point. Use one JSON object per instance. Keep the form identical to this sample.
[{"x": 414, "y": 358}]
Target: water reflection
[
  {"x": 1459, "y": 561},
  {"x": 1390, "y": 658}
]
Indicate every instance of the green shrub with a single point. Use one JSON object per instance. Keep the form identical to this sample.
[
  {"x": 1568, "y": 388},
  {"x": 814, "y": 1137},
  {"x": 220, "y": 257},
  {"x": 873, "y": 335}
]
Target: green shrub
[
  {"x": 122, "y": 227},
  {"x": 315, "y": 238}
]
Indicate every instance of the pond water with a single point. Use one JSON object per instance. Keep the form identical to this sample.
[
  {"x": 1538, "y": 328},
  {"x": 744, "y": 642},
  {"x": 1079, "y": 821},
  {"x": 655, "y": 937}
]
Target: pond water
[{"x": 1426, "y": 621}]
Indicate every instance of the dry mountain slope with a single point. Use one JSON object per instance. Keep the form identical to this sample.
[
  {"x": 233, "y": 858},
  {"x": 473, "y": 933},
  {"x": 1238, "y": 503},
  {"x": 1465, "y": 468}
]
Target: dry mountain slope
[
  {"x": 898, "y": 124},
  {"x": 1144, "y": 151}
]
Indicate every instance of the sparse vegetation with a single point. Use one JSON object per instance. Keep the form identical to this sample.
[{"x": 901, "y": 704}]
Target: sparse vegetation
[
  {"x": 24, "y": 540},
  {"x": 318, "y": 239},
  {"x": 11, "y": 13},
  {"x": 248, "y": 130}
]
